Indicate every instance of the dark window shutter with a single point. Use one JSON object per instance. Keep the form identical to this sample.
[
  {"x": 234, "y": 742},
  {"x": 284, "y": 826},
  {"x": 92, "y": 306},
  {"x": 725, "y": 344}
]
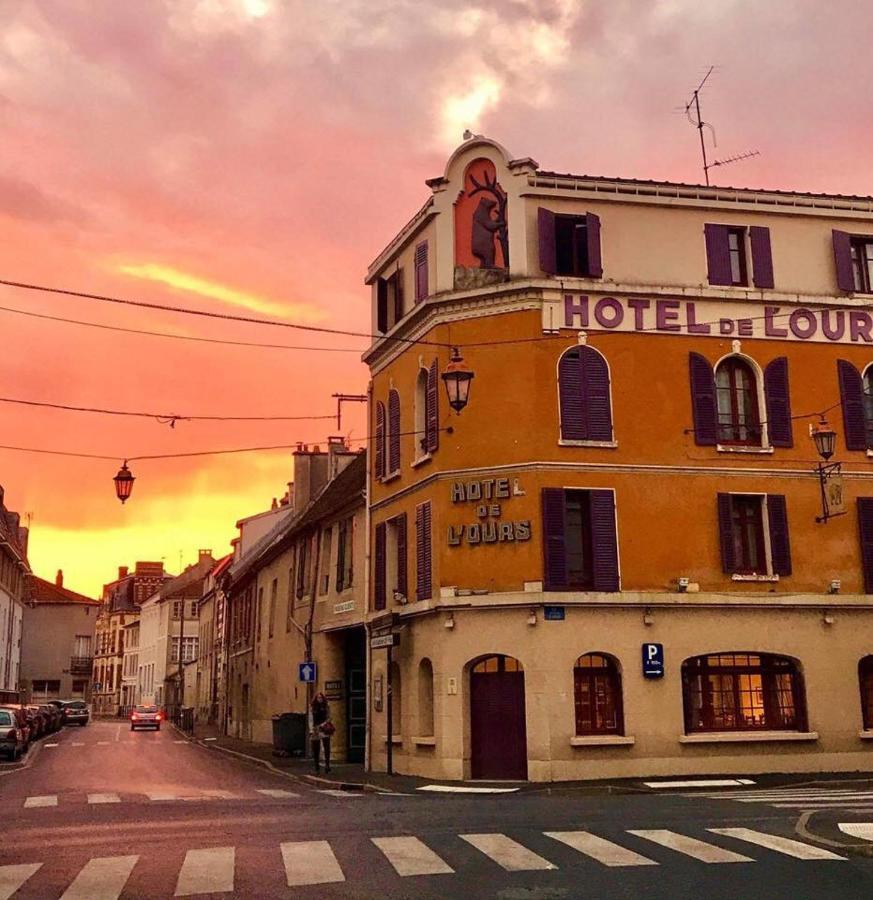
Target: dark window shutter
[
  {"x": 718, "y": 255},
  {"x": 780, "y": 547},
  {"x": 777, "y": 396},
  {"x": 382, "y": 305},
  {"x": 852, "y": 399},
  {"x": 393, "y": 431},
  {"x": 762, "y": 256},
  {"x": 604, "y": 541},
  {"x": 423, "y": 553},
  {"x": 726, "y": 534},
  {"x": 598, "y": 413},
  {"x": 398, "y": 295},
  {"x": 379, "y": 573},
  {"x": 421, "y": 272},
  {"x": 380, "y": 440},
  {"x": 432, "y": 409},
  {"x": 548, "y": 249},
  {"x": 592, "y": 235},
  {"x": 571, "y": 396},
  {"x": 555, "y": 576},
  {"x": 865, "y": 527},
  {"x": 843, "y": 259},
  {"x": 703, "y": 408},
  {"x": 340, "y": 556},
  {"x": 401, "y": 554}
]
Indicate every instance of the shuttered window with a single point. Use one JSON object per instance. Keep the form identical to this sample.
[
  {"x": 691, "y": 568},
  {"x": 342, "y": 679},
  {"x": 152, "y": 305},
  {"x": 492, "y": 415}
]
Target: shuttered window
[
  {"x": 432, "y": 409},
  {"x": 393, "y": 432},
  {"x": 421, "y": 288},
  {"x": 569, "y": 245},
  {"x": 379, "y": 442},
  {"x": 423, "y": 552},
  {"x": 865, "y": 683},
  {"x": 584, "y": 396},
  {"x": 389, "y": 301},
  {"x": 865, "y": 532},
  {"x": 400, "y": 583},
  {"x": 580, "y": 545},
  {"x": 741, "y": 522},
  {"x": 727, "y": 255},
  {"x": 778, "y": 399},
  {"x": 853, "y": 256},
  {"x": 856, "y": 399},
  {"x": 379, "y": 573},
  {"x": 736, "y": 393}
]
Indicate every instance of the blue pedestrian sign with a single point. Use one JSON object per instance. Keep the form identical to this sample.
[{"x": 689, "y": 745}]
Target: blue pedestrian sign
[
  {"x": 653, "y": 660},
  {"x": 308, "y": 672}
]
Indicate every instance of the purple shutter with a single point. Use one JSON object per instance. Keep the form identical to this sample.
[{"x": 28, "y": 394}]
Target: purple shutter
[
  {"x": 401, "y": 554},
  {"x": 379, "y": 573},
  {"x": 423, "y": 553},
  {"x": 865, "y": 527},
  {"x": 852, "y": 399},
  {"x": 762, "y": 256},
  {"x": 571, "y": 396},
  {"x": 726, "y": 534},
  {"x": 548, "y": 248},
  {"x": 703, "y": 407},
  {"x": 397, "y": 278},
  {"x": 555, "y": 577},
  {"x": 393, "y": 432},
  {"x": 432, "y": 410},
  {"x": 598, "y": 412},
  {"x": 421, "y": 272},
  {"x": 718, "y": 255},
  {"x": 604, "y": 541},
  {"x": 592, "y": 236},
  {"x": 382, "y": 305},
  {"x": 780, "y": 547},
  {"x": 380, "y": 440},
  {"x": 778, "y": 400},
  {"x": 843, "y": 259}
]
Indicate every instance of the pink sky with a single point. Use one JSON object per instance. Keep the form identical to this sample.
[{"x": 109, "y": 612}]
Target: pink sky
[{"x": 252, "y": 156}]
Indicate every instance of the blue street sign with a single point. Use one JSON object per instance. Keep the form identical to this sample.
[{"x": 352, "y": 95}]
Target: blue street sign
[
  {"x": 553, "y": 613},
  {"x": 307, "y": 672},
  {"x": 653, "y": 660}
]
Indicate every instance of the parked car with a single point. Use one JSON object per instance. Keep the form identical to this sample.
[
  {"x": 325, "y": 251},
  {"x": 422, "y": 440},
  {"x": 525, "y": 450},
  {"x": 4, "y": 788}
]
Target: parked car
[
  {"x": 26, "y": 719},
  {"x": 12, "y": 741},
  {"x": 40, "y": 720},
  {"x": 76, "y": 712},
  {"x": 54, "y": 717},
  {"x": 146, "y": 717}
]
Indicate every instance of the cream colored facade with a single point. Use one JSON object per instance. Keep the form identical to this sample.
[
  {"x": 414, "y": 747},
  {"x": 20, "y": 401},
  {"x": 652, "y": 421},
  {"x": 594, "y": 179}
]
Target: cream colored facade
[{"x": 477, "y": 602}]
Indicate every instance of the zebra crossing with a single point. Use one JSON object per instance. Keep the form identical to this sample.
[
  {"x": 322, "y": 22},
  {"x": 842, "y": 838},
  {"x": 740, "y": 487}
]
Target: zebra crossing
[
  {"x": 799, "y": 798},
  {"x": 212, "y": 870},
  {"x": 42, "y": 801}
]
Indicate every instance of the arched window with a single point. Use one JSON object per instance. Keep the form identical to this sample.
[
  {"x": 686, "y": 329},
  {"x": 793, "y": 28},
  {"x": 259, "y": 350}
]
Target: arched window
[
  {"x": 396, "y": 700},
  {"x": 491, "y": 664},
  {"x": 597, "y": 693},
  {"x": 736, "y": 389},
  {"x": 583, "y": 396},
  {"x": 865, "y": 680},
  {"x": 425, "y": 698},
  {"x": 868, "y": 404},
  {"x": 379, "y": 449},
  {"x": 738, "y": 691}
]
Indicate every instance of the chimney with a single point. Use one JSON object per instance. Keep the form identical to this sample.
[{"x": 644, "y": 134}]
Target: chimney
[
  {"x": 59, "y": 578},
  {"x": 23, "y": 537},
  {"x": 310, "y": 475},
  {"x": 204, "y": 554},
  {"x": 122, "y": 572},
  {"x": 338, "y": 456}
]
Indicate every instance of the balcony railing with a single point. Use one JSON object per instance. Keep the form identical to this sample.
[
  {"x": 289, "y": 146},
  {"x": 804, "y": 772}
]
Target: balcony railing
[{"x": 81, "y": 665}]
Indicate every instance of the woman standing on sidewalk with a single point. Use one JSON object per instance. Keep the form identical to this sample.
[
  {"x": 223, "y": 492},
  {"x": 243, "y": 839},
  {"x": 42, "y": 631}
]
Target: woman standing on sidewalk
[{"x": 322, "y": 729}]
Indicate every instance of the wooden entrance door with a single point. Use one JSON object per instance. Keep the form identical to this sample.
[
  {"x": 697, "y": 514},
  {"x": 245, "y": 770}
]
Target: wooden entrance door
[{"x": 497, "y": 722}]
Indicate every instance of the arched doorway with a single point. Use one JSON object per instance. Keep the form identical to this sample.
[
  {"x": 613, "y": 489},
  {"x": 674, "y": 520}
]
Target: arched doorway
[{"x": 497, "y": 720}]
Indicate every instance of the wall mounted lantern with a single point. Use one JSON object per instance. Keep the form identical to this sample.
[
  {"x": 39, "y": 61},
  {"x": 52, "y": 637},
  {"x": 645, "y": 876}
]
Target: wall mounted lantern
[
  {"x": 829, "y": 474},
  {"x": 457, "y": 378},
  {"x": 123, "y": 483}
]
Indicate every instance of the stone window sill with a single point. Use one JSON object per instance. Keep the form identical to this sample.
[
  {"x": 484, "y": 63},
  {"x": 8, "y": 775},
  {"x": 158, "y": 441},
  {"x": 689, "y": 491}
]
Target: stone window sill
[
  {"x": 420, "y": 461},
  {"x": 424, "y": 741},
  {"x": 866, "y": 734},
  {"x": 608, "y": 445},
  {"x": 392, "y": 476},
  {"x": 765, "y": 451},
  {"x": 738, "y": 577},
  {"x": 746, "y": 737},
  {"x": 396, "y": 740},
  {"x": 603, "y": 740}
]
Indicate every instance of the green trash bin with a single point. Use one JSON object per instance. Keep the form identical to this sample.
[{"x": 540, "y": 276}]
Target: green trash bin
[{"x": 289, "y": 733}]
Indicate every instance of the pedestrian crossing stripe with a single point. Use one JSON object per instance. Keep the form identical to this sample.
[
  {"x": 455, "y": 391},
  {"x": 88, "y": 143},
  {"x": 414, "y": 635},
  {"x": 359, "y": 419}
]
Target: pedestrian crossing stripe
[
  {"x": 212, "y": 870},
  {"x": 799, "y": 798},
  {"x": 863, "y": 830},
  {"x": 98, "y": 799}
]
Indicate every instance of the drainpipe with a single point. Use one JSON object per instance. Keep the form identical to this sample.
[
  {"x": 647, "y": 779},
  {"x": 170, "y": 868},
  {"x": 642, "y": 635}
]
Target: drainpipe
[
  {"x": 368, "y": 668},
  {"x": 307, "y": 636}
]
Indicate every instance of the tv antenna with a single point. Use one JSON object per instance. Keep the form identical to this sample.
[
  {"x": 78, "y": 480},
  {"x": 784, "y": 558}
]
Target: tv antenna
[{"x": 692, "y": 111}]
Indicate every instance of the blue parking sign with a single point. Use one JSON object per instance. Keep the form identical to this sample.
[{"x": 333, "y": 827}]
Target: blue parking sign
[
  {"x": 653, "y": 660},
  {"x": 307, "y": 672}
]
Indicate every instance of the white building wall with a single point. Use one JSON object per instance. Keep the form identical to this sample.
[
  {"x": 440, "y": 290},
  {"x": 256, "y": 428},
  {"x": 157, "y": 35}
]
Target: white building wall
[{"x": 149, "y": 626}]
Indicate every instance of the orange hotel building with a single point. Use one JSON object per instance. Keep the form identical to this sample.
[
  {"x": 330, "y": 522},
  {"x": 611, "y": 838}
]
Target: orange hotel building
[{"x": 608, "y": 564}]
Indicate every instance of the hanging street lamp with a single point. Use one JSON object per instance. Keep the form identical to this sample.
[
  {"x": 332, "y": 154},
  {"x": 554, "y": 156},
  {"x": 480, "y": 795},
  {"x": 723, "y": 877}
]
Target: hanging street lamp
[
  {"x": 123, "y": 483},
  {"x": 457, "y": 378},
  {"x": 830, "y": 477}
]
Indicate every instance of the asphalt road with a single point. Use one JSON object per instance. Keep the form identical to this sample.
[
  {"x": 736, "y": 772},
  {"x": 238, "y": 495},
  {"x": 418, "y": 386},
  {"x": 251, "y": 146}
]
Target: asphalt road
[{"x": 107, "y": 813}]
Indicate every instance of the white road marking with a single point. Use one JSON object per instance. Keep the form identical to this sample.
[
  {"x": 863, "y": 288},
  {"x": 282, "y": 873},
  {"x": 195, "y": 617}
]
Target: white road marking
[
  {"x": 221, "y": 795},
  {"x": 276, "y": 792},
  {"x": 162, "y": 796},
  {"x": 181, "y": 742},
  {"x": 863, "y": 830},
  {"x": 77, "y": 744},
  {"x": 310, "y": 862},
  {"x": 410, "y": 856},
  {"x": 44, "y": 800},
  {"x": 102, "y": 878},
  {"x": 104, "y": 798},
  {"x": 52, "y": 745},
  {"x": 344, "y": 794},
  {"x": 102, "y": 743},
  {"x": 507, "y": 853},
  {"x": 462, "y": 789},
  {"x": 118, "y": 734},
  {"x": 824, "y": 804},
  {"x": 12, "y": 877},
  {"x": 206, "y": 872},
  {"x": 797, "y": 849},
  {"x": 210, "y": 739},
  {"x": 710, "y": 782},
  {"x": 600, "y": 849},
  {"x": 692, "y": 847},
  {"x": 750, "y": 796},
  {"x": 819, "y": 795}
]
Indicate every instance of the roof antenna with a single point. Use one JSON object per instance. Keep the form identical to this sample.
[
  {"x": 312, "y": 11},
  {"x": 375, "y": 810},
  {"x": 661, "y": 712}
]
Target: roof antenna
[{"x": 692, "y": 111}]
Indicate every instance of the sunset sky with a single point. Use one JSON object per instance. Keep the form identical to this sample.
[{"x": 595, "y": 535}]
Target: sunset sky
[{"x": 253, "y": 156}]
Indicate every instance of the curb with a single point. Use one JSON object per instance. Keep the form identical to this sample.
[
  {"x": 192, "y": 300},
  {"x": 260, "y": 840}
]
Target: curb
[
  {"x": 857, "y": 848},
  {"x": 29, "y": 760}
]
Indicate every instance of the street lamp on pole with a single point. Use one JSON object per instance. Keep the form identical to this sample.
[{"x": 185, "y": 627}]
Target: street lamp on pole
[
  {"x": 457, "y": 378},
  {"x": 829, "y": 474}
]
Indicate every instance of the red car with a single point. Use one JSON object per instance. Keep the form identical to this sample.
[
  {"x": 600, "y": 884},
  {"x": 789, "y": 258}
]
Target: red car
[{"x": 146, "y": 717}]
